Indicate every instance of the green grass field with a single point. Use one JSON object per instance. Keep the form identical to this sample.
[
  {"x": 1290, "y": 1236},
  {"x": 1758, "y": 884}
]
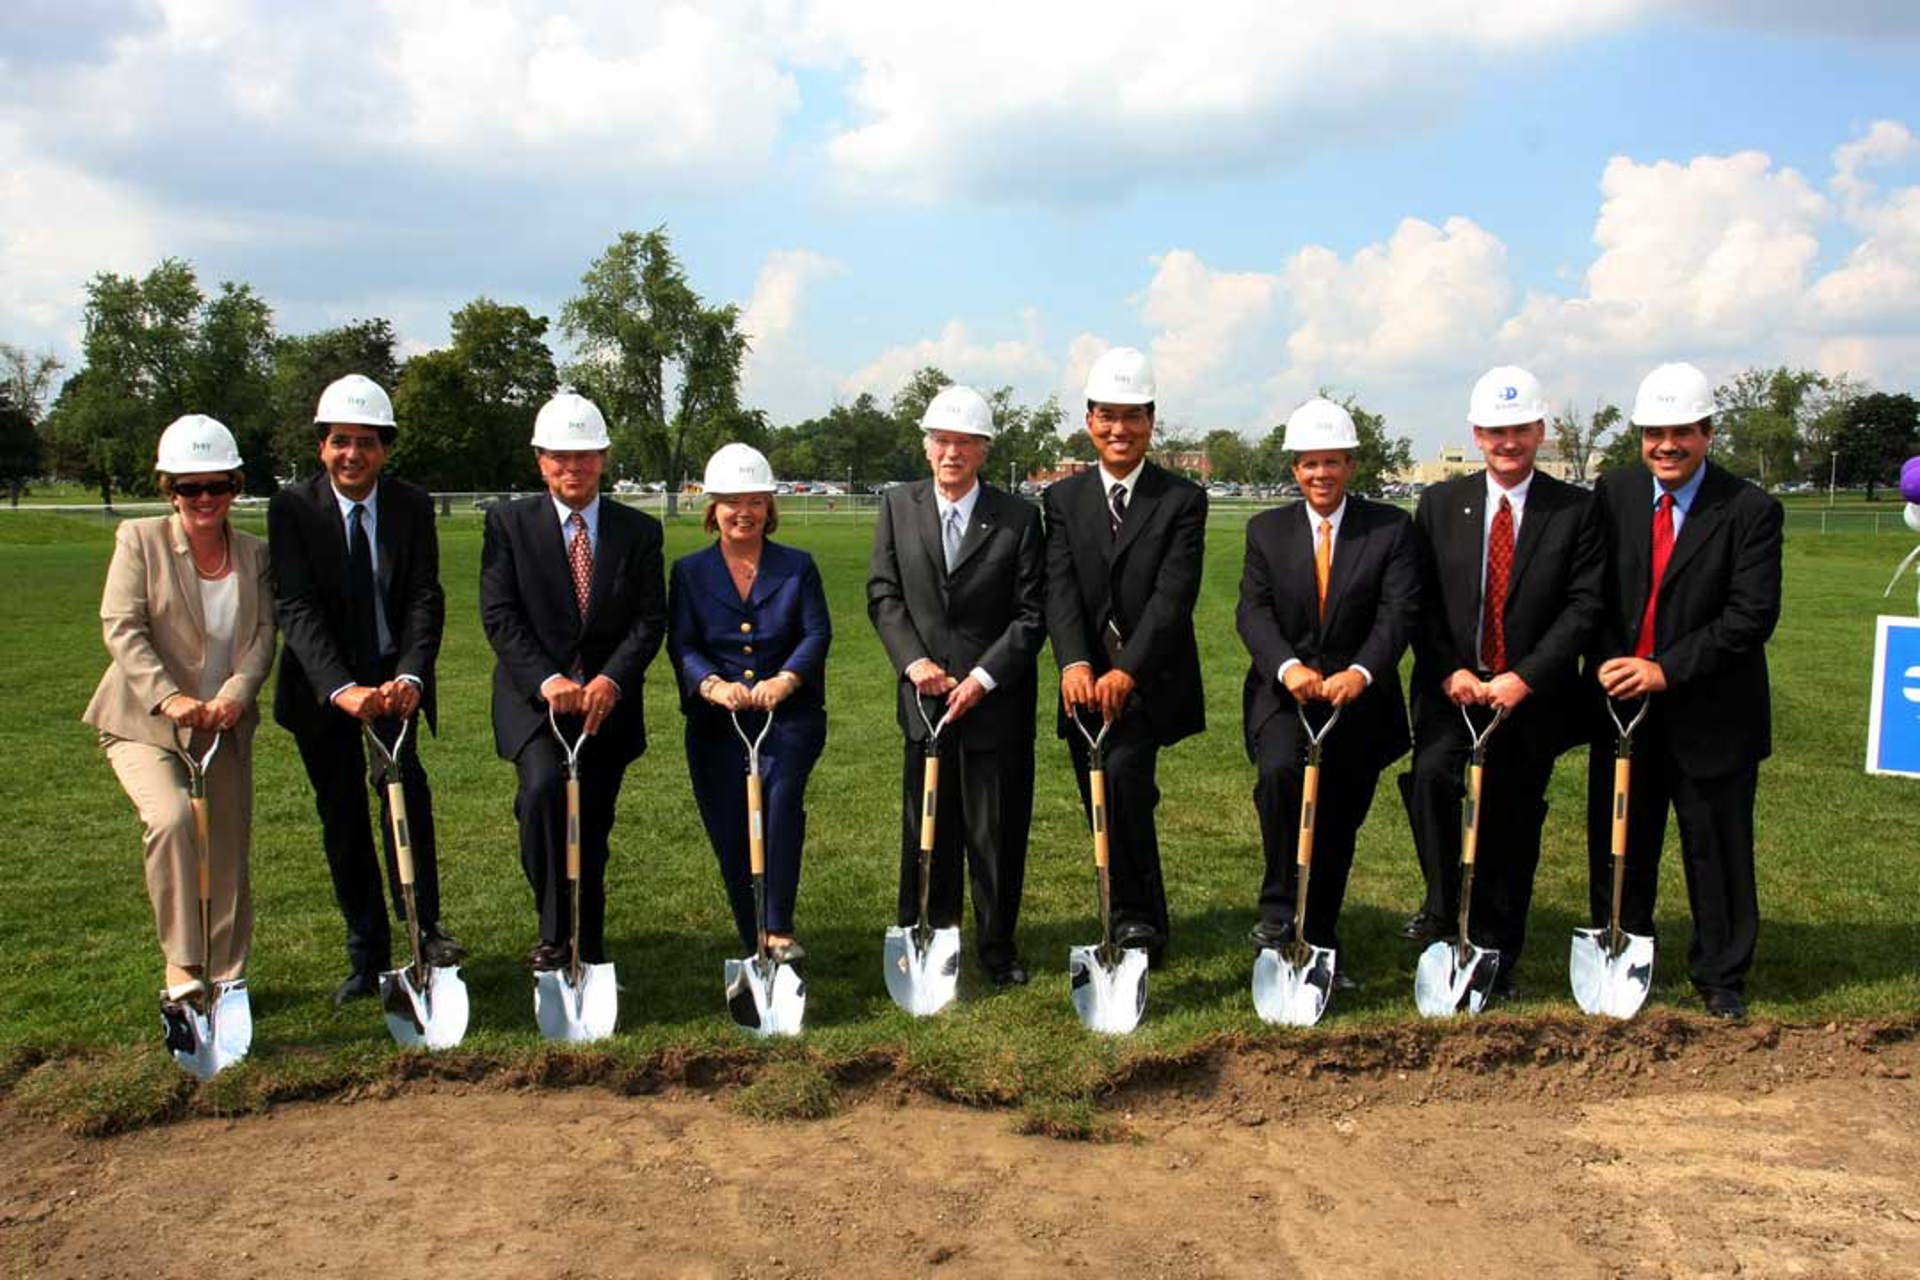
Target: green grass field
[{"x": 1839, "y": 882}]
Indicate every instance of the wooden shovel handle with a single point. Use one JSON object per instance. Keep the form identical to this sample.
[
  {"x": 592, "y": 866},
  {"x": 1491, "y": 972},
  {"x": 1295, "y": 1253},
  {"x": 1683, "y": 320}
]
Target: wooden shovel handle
[
  {"x": 203, "y": 829},
  {"x": 402, "y": 830},
  {"x": 929, "y": 801},
  {"x": 1470, "y": 837},
  {"x": 756, "y": 827},
  {"x": 573, "y": 829},
  {"x": 1309, "y": 805},
  {"x": 1097, "y": 793},
  {"x": 1622, "y": 773}
]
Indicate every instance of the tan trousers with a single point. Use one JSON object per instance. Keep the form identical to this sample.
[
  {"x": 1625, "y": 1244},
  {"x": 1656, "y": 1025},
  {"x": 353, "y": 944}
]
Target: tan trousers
[{"x": 156, "y": 781}]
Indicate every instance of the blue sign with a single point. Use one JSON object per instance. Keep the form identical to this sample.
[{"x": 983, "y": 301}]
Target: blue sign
[{"x": 1893, "y": 723}]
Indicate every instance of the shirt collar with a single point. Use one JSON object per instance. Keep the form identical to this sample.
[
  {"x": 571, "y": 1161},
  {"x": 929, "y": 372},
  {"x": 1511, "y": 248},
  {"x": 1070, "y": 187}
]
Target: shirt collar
[
  {"x": 590, "y": 513},
  {"x": 1127, "y": 482},
  {"x": 964, "y": 504},
  {"x": 1516, "y": 496},
  {"x": 1314, "y": 517},
  {"x": 1683, "y": 496},
  {"x": 371, "y": 502}
]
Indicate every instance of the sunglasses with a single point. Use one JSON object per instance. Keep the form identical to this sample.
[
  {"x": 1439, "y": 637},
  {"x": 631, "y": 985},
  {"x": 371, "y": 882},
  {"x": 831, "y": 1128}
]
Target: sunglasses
[{"x": 191, "y": 489}]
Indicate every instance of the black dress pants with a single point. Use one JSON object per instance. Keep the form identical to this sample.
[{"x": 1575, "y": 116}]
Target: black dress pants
[
  {"x": 1347, "y": 781},
  {"x": 540, "y": 806},
  {"x": 983, "y": 813},
  {"x": 1133, "y": 847}
]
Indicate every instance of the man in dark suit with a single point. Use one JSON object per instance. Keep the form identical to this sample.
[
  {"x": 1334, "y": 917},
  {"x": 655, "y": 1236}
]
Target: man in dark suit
[
  {"x": 1693, "y": 593},
  {"x": 1125, "y": 542},
  {"x": 573, "y": 600},
  {"x": 1511, "y": 575},
  {"x": 956, "y": 591},
  {"x": 1328, "y": 594},
  {"x": 356, "y": 567}
]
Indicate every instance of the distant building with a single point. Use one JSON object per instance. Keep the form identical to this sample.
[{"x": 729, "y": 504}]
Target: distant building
[{"x": 1457, "y": 460}]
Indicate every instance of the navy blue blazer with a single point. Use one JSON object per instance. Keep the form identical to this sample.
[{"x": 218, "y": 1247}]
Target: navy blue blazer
[{"x": 781, "y": 625}]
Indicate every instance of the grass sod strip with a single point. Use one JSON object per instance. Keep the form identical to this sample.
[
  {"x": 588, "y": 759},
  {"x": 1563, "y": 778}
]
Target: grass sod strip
[{"x": 78, "y": 1030}]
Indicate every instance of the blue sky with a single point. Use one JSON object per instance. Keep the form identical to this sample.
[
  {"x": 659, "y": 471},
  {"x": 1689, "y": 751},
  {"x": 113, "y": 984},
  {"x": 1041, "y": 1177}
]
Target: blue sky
[{"x": 1381, "y": 198}]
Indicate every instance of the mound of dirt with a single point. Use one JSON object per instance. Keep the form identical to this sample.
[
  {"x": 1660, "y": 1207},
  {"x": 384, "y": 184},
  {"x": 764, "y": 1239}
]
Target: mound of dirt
[{"x": 1667, "y": 1147}]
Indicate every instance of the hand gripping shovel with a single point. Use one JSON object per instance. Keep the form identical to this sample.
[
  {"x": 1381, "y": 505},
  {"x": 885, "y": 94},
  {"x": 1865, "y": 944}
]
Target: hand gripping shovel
[
  {"x": 766, "y": 996},
  {"x": 214, "y": 1030},
  {"x": 1291, "y": 985},
  {"x": 1455, "y": 977},
  {"x": 426, "y": 1005},
  {"x": 582, "y": 1001},
  {"x": 1109, "y": 985},
  {"x": 922, "y": 963},
  {"x": 1611, "y": 969}
]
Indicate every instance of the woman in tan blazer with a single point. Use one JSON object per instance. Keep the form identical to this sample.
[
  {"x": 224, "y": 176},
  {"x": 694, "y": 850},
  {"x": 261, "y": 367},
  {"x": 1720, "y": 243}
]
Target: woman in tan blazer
[{"x": 188, "y": 620}]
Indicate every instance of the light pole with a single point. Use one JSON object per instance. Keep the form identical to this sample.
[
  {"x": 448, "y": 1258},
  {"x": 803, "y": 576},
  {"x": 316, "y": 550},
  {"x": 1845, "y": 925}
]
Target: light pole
[{"x": 1833, "y": 470}]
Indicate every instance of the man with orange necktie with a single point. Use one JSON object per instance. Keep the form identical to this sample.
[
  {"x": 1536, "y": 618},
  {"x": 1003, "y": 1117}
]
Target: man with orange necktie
[
  {"x": 1512, "y": 570},
  {"x": 1695, "y": 593},
  {"x": 1328, "y": 594}
]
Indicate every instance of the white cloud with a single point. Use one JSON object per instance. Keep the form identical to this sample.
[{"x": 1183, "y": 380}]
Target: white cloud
[
  {"x": 1006, "y": 96},
  {"x": 964, "y": 358},
  {"x": 1879, "y": 281},
  {"x": 1204, "y": 317},
  {"x": 779, "y": 375}
]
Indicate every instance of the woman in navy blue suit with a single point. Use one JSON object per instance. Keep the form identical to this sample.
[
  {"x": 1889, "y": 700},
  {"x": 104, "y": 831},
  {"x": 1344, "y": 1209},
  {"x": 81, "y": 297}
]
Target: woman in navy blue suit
[{"x": 749, "y": 634}]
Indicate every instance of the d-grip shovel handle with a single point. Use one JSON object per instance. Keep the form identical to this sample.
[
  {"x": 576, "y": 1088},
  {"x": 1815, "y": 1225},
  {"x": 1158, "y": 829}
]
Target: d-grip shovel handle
[
  {"x": 929, "y": 801},
  {"x": 756, "y": 827},
  {"x": 402, "y": 831},
  {"x": 1622, "y": 777},
  {"x": 573, "y": 829},
  {"x": 1309, "y": 809},
  {"x": 1470, "y": 837},
  {"x": 1097, "y": 794}
]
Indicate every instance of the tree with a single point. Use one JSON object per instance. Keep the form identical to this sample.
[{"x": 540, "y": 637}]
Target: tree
[
  {"x": 1758, "y": 421},
  {"x": 1229, "y": 456},
  {"x": 302, "y": 368},
  {"x": 28, "y": 378},
  {"x": 1823, "y": 412},
  {"x": 1578, "y": 438},
  {"x": 139, "y": 346},
  {"x": 1380, "y": 456},
  {"x": 231, "y": 376},
  {"x": 663, "y": 366},
  {"x": 19, "y": 445},
  {"x": 860, "y": 441},
  {"x": 467, "y": 411},
  {"x": 1877, "y": 434}
]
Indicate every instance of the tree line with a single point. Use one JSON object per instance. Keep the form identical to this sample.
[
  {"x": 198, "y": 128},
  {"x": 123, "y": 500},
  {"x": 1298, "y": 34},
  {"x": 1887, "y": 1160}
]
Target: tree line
[{"x": 665, "y": 366}]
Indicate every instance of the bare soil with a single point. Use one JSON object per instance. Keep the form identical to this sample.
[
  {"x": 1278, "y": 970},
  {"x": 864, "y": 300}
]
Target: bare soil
[{"x": 1671, "y": 1148}]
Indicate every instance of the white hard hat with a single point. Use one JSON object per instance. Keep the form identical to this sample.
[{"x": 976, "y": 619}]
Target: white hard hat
[
  {"x": 738, "y": 468},
  {"x": 1673, "y": 395},
  {"x": 1122, "y": 375},
  {"x": 355, "y": 400},
  {"x": 1319, "y": 424},
  {"x": 196, "y": 443},
  {"x": 959, "y": 409},
  {"x": 570, "y": 422},
  {"x": 1506, "y": 396}
]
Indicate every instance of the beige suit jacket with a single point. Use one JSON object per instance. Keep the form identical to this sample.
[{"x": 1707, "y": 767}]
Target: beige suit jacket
[{"x": 155, "y": 630}]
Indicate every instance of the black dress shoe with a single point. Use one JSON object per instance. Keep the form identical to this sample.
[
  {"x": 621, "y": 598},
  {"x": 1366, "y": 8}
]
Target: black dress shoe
[
  {"x": 1424, "y": 926},
  {"x": 1722, "y": 1003},
  {"x": 1134, "y": 936},
  {"x": 1266, "y": 936},
  {"x": 441, "y": 948},
  {"x": 1344, "y": 981},
  {"x": 547, "y": 957},
  {"x": 1012, "y": 975},
  {"x": 361, "y": 984}
]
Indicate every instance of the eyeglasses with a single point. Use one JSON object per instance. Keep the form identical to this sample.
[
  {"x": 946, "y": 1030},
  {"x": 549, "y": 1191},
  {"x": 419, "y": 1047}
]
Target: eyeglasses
[{"x": 191, "y": 489}]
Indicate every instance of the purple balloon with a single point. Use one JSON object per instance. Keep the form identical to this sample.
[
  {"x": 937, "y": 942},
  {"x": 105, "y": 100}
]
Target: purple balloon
[{"x": 1910, "y": 480}]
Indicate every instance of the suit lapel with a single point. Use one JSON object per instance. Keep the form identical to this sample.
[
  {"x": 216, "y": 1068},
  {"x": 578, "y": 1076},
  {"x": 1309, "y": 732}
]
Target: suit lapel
[
  {"x": 386, "y": 539},
  {"x": 550, "y": 548},
  {"x": 1349, "y": 541},
  {"x": 926, "y": 525},
  {"x": 1541, "y": 509},
  {"x": 774, "y": 571},
  {"x": 1708, "y": 506},
  {"x": 978, "y": 530},
  {"x": 607, "y": 558},
  {"x": 1091, "y": 512},
  {"x": 186, "y": 574},
  {"x": 1635, "y": 548},
  {"x": 1144, "y": 501}
]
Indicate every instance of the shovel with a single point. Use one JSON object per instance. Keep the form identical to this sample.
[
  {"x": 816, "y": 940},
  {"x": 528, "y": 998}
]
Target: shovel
[
  {"x": 766, "y": 996},
  {"x": 1291, "y": 985},
  {"x": 580, "y": 1002},
  {"x": 1455, "y": 977},
  {"x": 426, "y": 1005},
  {"x": 1611, "y": 969},
  {"x": 1109, "y": 985},
  {"x": 922, "y": 963},
  {"x": 214, "y": 1030}
]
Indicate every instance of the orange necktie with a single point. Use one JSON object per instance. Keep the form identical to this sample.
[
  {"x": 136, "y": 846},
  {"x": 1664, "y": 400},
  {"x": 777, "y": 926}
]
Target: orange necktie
[{"x": 1323, "y": 561}]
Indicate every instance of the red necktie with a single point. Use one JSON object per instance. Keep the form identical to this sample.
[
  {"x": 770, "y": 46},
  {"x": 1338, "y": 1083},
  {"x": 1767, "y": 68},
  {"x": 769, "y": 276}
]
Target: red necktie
[
  {"x": 1662, "y": 552},
  {"x": 580, "y": 559},
  {"x": 1493, "y": 610}
]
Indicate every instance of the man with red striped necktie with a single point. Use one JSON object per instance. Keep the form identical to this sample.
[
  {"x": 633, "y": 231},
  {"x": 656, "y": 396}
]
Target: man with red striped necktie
[
  {"x": 1512, "y": 574},
  {"x": 1695, "y": 593}
]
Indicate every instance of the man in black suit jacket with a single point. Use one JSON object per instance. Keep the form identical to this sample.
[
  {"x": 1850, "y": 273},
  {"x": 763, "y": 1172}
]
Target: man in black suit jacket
[
  {"x": 1125, "y": 542},
  {"x": 956, "y": 591},
  {"x": 1328, "y": 593},
  {"x": 356, "y": 567},
  {"x": 1520, "y": 653},
  {"x": 573, "y": 600},
  {"x": 1693, "y": 593}
]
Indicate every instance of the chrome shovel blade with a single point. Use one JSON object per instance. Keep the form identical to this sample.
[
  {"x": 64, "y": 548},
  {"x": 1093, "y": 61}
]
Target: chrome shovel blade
[
  {"x": 433, "y": 1016},
  {"x": 1450, "y": 979},
  {"x": 189, "y": 1035},
  {"x": 921, "y": 982},
  {"x": 1109, "y": 1000},
  {"x": 1604, "y": 983},
  {"x": 769, "y": 1000},
  {"x": 232, "y": 1023},
  {"x": 1292, "y": 995},
  {"x": 576, "y": 1015}
]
